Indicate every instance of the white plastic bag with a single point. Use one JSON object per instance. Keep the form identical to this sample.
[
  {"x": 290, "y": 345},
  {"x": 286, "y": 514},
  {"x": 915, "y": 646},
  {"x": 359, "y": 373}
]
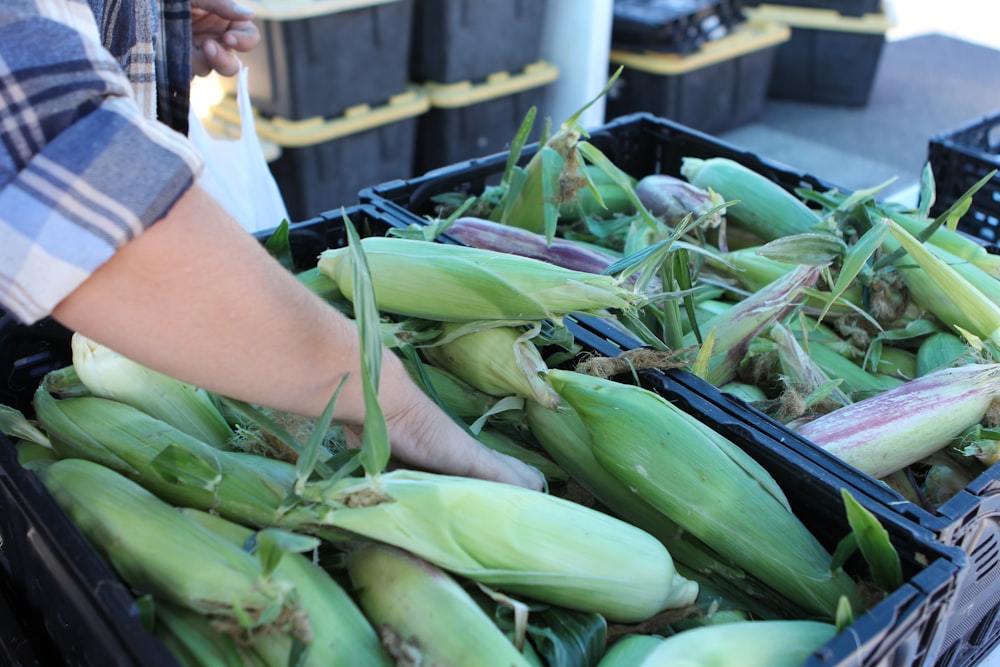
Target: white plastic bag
[{"x": 236, "y": 172}]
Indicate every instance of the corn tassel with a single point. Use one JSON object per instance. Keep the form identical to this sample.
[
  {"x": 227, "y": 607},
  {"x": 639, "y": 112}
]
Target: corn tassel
[
  {"x": 473, "y": 284},
  {"x": 674, "y": 463},
  {"x": 341, "y": 634},
  {"x": 108, "y": 374},
  {"x": 424, "y": 616},
  {"x": 900, "y": 426},
  {"x": 521, "y": 541},
  {"x": 158, "y": 550}
]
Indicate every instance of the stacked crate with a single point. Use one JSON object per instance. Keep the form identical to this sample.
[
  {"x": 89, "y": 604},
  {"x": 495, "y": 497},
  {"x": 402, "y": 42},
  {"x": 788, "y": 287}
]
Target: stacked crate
[
  {"x": 329, "y": 82},
  {"x": 479, "y": 65},
  {"x": 834, "y": 50},
  {"x": 699, "y": 63}
]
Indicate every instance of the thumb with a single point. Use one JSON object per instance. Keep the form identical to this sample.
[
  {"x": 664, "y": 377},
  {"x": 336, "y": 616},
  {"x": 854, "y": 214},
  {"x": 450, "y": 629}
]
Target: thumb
[{"x": 227, "y": 9}]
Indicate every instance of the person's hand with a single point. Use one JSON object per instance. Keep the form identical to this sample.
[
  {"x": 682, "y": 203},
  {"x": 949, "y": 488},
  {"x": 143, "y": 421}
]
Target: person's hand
[
  {"x": 425, "y": 436},
  {"x": 218, "y": 28}
]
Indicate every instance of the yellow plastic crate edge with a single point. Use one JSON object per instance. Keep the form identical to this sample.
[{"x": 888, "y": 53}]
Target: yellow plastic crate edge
[
  {"x": 294, "y": 10},
  {"x": 822, "y": 19},
  {"x": 311, "y": 131},
  {"x": 499, "y": 84},
  {"x": 748, "y": 37}
]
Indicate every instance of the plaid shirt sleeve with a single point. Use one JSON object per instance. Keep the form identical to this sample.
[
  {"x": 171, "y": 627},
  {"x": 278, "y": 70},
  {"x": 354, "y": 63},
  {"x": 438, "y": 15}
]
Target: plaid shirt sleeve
[{"x": 83, "y": 166}]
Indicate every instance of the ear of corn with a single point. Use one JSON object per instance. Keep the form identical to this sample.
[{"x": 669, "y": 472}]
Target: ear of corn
[
  {"x": 191, "y": 639},
  {"x": 565, "y": 437},
  {"x": 738, "y": 326},
  {"x": 108, "y": 374},
  {"x": 498, "y": 360},
  {"x": 672, "y": 199},
  {"x": 900, "y": 426},
  {"x": 159, "y": 551},
  {"x": 675, "y": 463},
  {"x": 747, "y": 644},
  {"x": 763, "y": 207},
  {"x": 630, "y": 651},
  {"x": 341, "y": 635},
  {"x": 943, "y": 290},
  {"x": 175, "y": 466},
  {"x": 459, "y": 396},
  {"x": 492, "y": 235},
  {"x": 472, "y": 284},
  {"x": 521, "y": 541},
  {"x": 424, "y": 616}
]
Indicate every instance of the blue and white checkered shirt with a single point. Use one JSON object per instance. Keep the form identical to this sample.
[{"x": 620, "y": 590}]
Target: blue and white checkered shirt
[{"x": 85, "y": 166}]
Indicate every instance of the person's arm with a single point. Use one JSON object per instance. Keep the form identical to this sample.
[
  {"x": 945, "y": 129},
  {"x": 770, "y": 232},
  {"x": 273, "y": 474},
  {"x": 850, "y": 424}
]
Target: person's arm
[{"x": 199, "y": 299}]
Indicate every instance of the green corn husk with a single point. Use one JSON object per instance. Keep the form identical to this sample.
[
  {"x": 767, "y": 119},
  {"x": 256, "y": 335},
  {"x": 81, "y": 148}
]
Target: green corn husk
[
  {"x": 900, "y": 426},
  {"x": 630, "y": 651},
  {"x": 471, "y": 284},
  {"x": 943, "y": 289},
  {"x": 461, "y": 398},
  {"x": 501, "y": 441},
  {"x": 108, "y": 374},
  {"x": 424, "y": 616},
  {"x": 498, "y": 360},
  {"x": 748, "y": 644},
  {"x": 855, "y": 380},
  {"x": 738, "y": 326},
  {"x": 565, "y": 437},
  {"x": 159, "y": 551},
  {"x": 675, "y": 462},
  {"x": 191, "y": 639},
  {"x": 800, "y": 369},
  {"x": 940, "y": 350},
  {"x": 341, "y": 634},
  {"x": 181, "y": 469},
  {"x": 520, "y": 541},
  {"x": 763, "y": 206}
]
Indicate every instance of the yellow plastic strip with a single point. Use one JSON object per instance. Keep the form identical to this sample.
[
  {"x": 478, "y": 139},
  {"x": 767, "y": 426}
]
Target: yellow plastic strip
[
  {"x": 293, "y": 10},
  {"x": 821, "y": 19},
  {"x": 310, "y": 131},
  {"x": 748, "y": 37},
  {"x": 500, "y": 84}
]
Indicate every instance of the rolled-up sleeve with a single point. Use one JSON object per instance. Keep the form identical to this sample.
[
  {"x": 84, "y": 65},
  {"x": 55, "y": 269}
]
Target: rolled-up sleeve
[{"x": 82, "y": 171}]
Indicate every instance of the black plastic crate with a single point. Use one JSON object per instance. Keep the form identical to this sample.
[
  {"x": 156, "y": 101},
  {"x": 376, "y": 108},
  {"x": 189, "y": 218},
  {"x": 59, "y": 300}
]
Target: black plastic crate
[
  {"x": 959, "y": 159},
  {"x": 67, "y": 595},
  {"x": 467, "y": 40},
  {"x": 642, "y": 144},
  {"x": 672, "y": 26},
  {"x": 845, "y": 7},
  {"x": 322, "y": 58},
  {"x": 639, "y": 144},
  {"x": 830, "y": 59},
  {"x": 324, "y": 163},
  {"x": 23, "y": 642},
  {"x": 468, "y": 120},
  {"x": 721, "y": 86}
]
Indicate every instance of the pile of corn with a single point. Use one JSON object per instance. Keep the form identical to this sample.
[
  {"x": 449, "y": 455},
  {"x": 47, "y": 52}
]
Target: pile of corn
[
  {"x": 869, "y": 328},
  {"x": 259, "y": 542}
]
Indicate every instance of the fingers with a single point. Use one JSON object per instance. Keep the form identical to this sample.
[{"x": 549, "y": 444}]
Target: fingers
[
  {"x": 227, "y": 9},
  {"x": 211, "y": 56}
]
